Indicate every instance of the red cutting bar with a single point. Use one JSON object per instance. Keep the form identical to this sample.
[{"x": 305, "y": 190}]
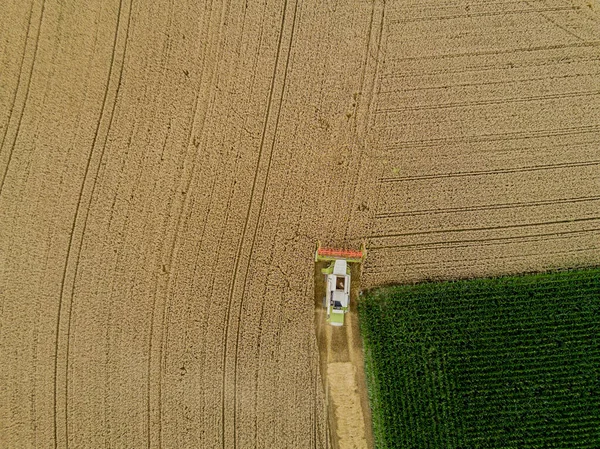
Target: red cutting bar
[{"x": 340, "y": 252}]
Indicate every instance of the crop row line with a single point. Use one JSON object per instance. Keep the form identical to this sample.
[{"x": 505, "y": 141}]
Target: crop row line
[
  {"x": 483, "y": 228},
  {"x": 486, "y": 207},
  {"x": 475, "y": 298},
  {"x": 483, "y": 14},
  {"x": 523, "y": 371},
  {"x": 505, "y": 51},
  {"x": 458, "y": 150},
  {"x": 512, "y": 81},
  {"x": 487, "y": 309},
  {"x": 503, "y": 136},
  {"x": 492, "y": 241},
  {"x": 468, "y": 262},
  {"x": 456, "y": 5},
  {"x": 503, "y": 67},
  {"x": 546, "y": 427},
  {"x": 487, "y": 102},
  {"x": 506, "y": 336},
  {"x": 499, "y": 171}
]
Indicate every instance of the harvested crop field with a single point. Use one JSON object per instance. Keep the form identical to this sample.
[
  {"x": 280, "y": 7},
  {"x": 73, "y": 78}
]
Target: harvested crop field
[
  {"x": 166, "y": 168},
  {"x": 505, "y": 362}
]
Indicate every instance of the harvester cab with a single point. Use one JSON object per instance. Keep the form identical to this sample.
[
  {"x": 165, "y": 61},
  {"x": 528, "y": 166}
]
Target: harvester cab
[{"x": 337, "y": 280}]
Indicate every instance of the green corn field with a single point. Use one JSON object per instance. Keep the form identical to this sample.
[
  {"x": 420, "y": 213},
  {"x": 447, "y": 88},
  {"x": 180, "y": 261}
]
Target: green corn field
[{"x": 509, "y": 362}]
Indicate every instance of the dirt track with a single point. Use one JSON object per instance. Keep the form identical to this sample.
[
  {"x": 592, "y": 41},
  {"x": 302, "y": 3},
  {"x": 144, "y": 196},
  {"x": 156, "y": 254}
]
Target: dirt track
[
  {"x": 166, "y": 167},
  {"x": 341, "y": 365}
]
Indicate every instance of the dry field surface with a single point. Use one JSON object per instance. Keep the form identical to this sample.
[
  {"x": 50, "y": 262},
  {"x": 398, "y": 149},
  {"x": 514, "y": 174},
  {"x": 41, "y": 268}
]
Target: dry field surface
[
  {"x": 166, "y": 167},
  {"x": 487, "y": 128}
]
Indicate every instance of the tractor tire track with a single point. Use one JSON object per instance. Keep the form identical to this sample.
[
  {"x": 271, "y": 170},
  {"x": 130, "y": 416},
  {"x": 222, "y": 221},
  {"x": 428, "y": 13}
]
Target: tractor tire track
[
  {"x": 481, "y": 228},
  {"x": 248, "y": 214},
  {"x": 364, "y": 66},
  {"x": 486, "y": 67},
  {"x": 165, "y": 54},
  {"x": 26, "y": 97},
  {"x": 486, "y": 207},
  {"x": 262, "y": 198},
  {"x": 367, "y": 117},
  {"x": 498, "y": 52},
  {"x": 554, "y": 22},
  {"x": 16, "y": 90},
  {"x": 467, "y": 243},
  {"x": 198, "y": 140},
  {"x": 191, "y": 137},
  {"x": 498, "y": 171},
  {"x": 469, "y": 262},
  {"x": 484, "y": 14},
  {"x": 76, "y": 219},
  {"x": 508, "y": 135},
  {"x": 489, "y": 102},
  {"x": 486, "y": 83}
]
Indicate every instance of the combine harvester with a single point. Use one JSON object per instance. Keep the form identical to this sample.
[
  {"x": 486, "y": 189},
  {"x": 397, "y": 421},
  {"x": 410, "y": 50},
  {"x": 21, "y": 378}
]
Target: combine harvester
[{"x": 337, "y": 280}]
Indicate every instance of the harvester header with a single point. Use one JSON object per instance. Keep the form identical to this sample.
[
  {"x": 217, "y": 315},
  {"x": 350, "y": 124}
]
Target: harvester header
[{"x": 332, "y": 254}]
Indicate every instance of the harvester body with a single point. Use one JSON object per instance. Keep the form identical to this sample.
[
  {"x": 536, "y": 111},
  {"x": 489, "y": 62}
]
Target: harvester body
[
  {"x": 337, "y": 280},
  {"x": 337, "y": 294}
]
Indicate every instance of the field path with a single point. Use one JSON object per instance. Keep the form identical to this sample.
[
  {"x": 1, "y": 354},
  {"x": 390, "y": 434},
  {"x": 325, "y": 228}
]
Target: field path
[{"x": 166, "y": 168}]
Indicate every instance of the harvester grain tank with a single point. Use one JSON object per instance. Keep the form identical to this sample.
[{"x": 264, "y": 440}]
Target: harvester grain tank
[{"x": 337, "y": 280}]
